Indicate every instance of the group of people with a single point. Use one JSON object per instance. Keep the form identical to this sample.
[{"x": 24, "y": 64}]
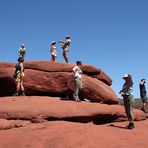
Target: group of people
[
  {"x": 127, "y": 94},
  {"x": 65, "y": 46},
  {"x": 19, "y": 68},
  {"x": 126, "y": 91}
]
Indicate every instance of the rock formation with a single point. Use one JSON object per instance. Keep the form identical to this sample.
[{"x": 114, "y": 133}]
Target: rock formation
[{"x": 56, "y": 79}]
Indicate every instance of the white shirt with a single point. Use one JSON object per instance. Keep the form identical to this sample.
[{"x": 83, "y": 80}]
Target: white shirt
[{"x": 77, "y": 72}]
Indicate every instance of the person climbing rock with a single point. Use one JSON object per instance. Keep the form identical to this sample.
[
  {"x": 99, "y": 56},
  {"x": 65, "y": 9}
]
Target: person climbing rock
[
  {"x": 19, "y": 77},
  {"x": 65, "y": 46}
]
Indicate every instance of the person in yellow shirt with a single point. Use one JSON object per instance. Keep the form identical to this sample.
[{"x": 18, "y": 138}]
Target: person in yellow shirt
[{"x": 22, "y": 51}]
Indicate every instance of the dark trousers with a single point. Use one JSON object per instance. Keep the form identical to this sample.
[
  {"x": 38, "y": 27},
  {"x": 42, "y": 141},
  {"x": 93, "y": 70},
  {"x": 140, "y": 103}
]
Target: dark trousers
[{"x": 128, "y": 104}]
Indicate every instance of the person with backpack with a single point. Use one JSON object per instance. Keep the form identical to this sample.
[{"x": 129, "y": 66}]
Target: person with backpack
[
  {"x": 53, "y": 51},
  {"x": 65, "y": 46},
  {"x": 22, "y": 51},
  {"x": 143, "y": 94},
  {"x": 19, "y": 77},
  {"x": 77, "y": 75},
  {"x": 127, "y": 95}
]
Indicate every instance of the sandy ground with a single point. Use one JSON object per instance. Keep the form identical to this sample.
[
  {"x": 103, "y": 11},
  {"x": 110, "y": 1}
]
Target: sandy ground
[{"x": 61, "y": 134}]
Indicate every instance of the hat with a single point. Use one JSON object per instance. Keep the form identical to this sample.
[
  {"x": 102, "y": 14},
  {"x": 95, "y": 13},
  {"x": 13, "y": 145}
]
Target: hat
[
  {"x": 79, "y": 62},
  {"x": 53, "y": 42},
  {"x": 126, "y": 76},
  {"x": 22, "y": 45},
  {"x": 143, "y": 80},
  {"x": 68, "y": 36}
]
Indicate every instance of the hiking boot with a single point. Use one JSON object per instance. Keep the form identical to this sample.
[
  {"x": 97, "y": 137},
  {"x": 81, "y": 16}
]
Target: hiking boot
[
  {"x": 23, "y": 94},
  {"x": 16, "y": 94},
  {"x": 77, "y": 100},
  {"x": 131, "y": 126},
  {"x": 142, "y": 109}
]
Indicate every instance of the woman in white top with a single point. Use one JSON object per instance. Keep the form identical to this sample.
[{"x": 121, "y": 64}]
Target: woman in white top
[{"x": 53, "y": 51}]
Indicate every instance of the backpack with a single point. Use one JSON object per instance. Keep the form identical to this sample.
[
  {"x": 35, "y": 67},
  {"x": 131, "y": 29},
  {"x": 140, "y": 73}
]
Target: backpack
[{"x": 17, "y": 69}]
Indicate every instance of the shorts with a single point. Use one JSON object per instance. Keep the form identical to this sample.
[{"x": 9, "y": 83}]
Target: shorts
[
  {"x": 19, "y": 77},
  {"x": 53, "y": 54},
  {"x": 65, "y": 50}
]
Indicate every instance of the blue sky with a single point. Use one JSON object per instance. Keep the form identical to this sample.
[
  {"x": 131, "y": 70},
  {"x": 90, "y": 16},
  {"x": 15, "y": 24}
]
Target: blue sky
[{"x": 109, "y": 34}]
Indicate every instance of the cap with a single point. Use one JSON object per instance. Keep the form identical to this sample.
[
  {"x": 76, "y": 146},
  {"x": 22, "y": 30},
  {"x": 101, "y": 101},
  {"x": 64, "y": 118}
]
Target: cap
[
  {"x": 79, "y": 62},
  {"x": 144, "y": 80},
  {"x": 22, "y": 45},
  {"x": 53, "y": 42},
  {"x": 68, "y": 36},
  {"x": 126, "y": 76}
]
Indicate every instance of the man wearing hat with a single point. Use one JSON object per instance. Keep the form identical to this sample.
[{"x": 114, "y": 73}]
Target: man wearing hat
[
  {"x": 126, "y": 93},
  {"x": 65, "y": 47},
  {"x": 19, "y": 76}
]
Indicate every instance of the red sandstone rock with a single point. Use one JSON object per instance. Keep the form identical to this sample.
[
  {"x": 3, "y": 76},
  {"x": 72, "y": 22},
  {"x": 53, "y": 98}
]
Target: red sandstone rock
[
  {"x": 62, "y": 67},
  {"x": 61, "y": 134},
  {"x": 36, "y": 107},
  {"x": 55, "y": 79}
]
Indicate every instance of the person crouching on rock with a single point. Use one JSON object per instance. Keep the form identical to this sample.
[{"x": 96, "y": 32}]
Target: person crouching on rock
[
  {"x": 126, "y": 93},
  {"x": 65, "y": 47},
  {"x": 78, "y": 80},
  {"x": 53, "y": 51},
  {"x": 19, "y": 76}
]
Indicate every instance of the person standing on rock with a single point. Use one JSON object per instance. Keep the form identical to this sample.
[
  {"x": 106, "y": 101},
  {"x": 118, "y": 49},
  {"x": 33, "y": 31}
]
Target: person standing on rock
[
  {"x": 143, "y": 94},
  {"x": 126, "y": 93},
  {"x": 19, "y": 76},
  {"x": 65, "y": 47},
  {"x": 77, "y": 75},
  {"x": 22, "y": 51},
  {"x": 53, "y": 51}
]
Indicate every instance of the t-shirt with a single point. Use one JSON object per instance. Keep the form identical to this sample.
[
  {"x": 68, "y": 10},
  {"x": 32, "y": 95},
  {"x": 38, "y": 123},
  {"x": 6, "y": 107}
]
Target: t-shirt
[
  {"x": 22, "y": 50},
  {"x": 127, "y": 88},
  {"x": 77, "y": 72},
  {"x": 142, "y": 90}
]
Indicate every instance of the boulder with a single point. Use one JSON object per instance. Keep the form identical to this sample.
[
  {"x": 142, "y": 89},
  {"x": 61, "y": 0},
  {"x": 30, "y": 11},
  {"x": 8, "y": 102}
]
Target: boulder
[
  {"x": 56, "y": 79},
  {"x": 39, "y": 108},
  {"x": 67, "y": 67}
]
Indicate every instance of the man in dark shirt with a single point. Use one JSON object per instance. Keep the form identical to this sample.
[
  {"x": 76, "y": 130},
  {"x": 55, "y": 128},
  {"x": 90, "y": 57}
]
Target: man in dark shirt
[{"x": 143, "y": 94}]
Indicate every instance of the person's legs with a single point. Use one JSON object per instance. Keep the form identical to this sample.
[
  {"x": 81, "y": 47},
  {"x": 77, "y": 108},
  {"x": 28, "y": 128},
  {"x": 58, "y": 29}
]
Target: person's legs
[
  {"x": 77, "y": 89},
  {"x": 128, "y": 103},
  {"x": 144, "y": 100},
  {"x": 22, "y": 91},
  {"x": 65, "y": 55},
  {"x": 17, "y": 89},
  {"x": 52, "y": 57},
  {"x": 17, "y": 85}
]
